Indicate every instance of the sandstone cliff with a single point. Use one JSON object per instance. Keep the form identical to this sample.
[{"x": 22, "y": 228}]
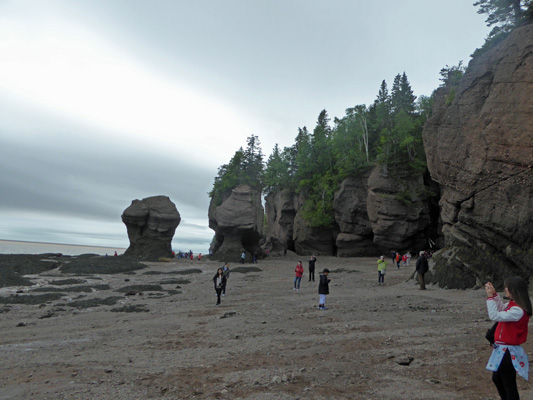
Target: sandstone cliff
[
  {"x": 238, "y": 224},
  {"x": 373, "y": 215},
  {"x": 479, "y": 146}
]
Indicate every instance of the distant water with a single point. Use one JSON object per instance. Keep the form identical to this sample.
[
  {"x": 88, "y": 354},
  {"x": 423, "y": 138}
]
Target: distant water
[{"x": 16, "y": 247}]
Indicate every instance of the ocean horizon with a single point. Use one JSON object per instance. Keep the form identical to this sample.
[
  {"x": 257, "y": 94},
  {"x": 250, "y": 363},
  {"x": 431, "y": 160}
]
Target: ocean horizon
[{"x": 23, "y": 247}]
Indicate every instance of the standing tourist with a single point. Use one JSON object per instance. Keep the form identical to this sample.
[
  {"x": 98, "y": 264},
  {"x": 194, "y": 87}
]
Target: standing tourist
[
  {"x": 220, "y": 282},
  {"x": 421, "y": 268},
  {"x": 382, "y": 268},
  {"x": 225, "y": 271},
  {"x": 323, "y": 289},
  {"x": 243, "y": 256},
  {"x": 398, "y": 259},
  {"x": 508, "y": 357},
  {"x": 298, "y": 273},
  {"x": 408, "y": 256},
  {"x": 312, "y": 261}
]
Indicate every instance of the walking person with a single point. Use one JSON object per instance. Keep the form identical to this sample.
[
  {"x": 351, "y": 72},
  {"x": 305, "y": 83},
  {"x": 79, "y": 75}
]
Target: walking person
[
  {"x": 298, "y": 272},
  {"x": 398, "y": 259},
  {"x": 323, "y": 289},
  {"x": 421, "y": 268},
  {"x": 225, "y": 271},
  {"x": 220, "y": 282},
  {"x": 312, "y": 261},
  {"x": 382, "y": 268},
  {"x": 243, "y": 256},
  {"x": 508, "y": 357}
]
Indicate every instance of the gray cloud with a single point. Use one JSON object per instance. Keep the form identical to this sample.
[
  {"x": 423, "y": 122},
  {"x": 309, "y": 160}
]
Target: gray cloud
[{"x": 274, "y": 64}]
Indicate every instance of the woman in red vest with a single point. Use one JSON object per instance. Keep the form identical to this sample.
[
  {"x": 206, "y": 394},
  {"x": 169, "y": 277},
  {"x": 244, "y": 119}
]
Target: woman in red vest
[{"x": 508, "y": 357}]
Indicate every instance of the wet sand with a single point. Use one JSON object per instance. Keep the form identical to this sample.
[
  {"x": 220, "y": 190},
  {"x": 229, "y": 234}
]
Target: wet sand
[{"x": 156, "y": 333}]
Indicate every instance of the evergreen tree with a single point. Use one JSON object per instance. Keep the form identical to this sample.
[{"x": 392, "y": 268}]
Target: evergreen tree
[
  {"x": 277, "y": 174},
  {"x": 252, "y": 162},
  {"x": 503, "y": 16},
  {"x": 504, "y": 13},
  {"x": 245, "y": 167},
  {"x": 402, "y": 97}
]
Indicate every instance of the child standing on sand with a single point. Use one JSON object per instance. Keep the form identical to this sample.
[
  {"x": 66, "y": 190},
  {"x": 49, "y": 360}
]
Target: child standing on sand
[
  {"x": 323, "y": 289},
  {"x": 382, "y": 268}
]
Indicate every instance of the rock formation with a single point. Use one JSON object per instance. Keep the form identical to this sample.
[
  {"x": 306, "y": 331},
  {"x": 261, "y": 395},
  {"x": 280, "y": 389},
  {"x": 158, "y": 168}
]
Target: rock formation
[
  {"x": 308, "y": 240},
  {"x": 479, "y": 146},
  {"x": 356, "y": 237},
  {"x": 280, "y": 209},
  {"x": 373, "y": 214},
  {"x": 398, "y": 211},
  {"x": 151, "y": 224},
  {"x": 238, "y": 224}
]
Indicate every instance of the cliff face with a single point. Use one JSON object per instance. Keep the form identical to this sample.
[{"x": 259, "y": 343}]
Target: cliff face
[
  {"x": 238, "y": 224},
  {"x": 371, "y": 218},
  {"x": 280, "y": 209},
  {"x": 480, "y": 150}
]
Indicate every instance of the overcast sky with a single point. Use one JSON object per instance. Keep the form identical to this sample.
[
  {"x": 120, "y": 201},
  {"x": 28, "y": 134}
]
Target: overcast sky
[{"x": 107, "y": 101}]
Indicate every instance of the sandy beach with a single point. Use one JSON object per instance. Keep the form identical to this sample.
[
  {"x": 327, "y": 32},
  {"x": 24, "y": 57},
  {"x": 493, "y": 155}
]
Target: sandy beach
[{"x": 122, "y": 339}]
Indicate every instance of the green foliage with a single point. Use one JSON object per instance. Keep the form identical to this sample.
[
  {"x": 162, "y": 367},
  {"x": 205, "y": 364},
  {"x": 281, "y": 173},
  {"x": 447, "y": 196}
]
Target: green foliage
[
  {"x": 450, "y": 76},
  {"x": 388, "y": 132},
  {"x": 245, "y": 167},
  {"x": 450, "y": 97},
  {"x": 503, "y": 16},
  {"x": 318, "y": 207}
]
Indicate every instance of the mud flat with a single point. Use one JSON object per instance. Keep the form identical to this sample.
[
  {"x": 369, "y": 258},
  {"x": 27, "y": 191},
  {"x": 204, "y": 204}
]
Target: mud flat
[{"x": 152, "y": 331}]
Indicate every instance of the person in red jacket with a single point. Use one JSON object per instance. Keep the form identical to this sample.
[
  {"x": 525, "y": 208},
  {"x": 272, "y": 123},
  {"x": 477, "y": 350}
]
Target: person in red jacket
[
  {"x": 398, "y": 259},
  {"x": 299, "y": 272},
  {"x": 508, "y": 357}
]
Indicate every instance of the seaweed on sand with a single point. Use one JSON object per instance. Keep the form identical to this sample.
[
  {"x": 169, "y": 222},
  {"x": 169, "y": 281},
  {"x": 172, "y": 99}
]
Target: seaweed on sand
[
  {"x": 73, "y": 289},
  {"x": 179, "y": 272},
  {"x": 140, "y": 288},
  {"x": 131, "y": 308},
  {"x": 102, "y": 265},
  {"x": 90, "y": 303},
  {"x": 13, "y": 267},
  {"x": 245, "y": 270},
  {"x": 31, "y": 299}
]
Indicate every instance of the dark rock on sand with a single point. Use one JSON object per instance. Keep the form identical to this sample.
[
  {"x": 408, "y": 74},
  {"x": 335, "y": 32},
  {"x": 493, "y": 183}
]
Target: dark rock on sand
[
  {"x": 14, "y": 267},
  {"x": 151, "y": 224}
]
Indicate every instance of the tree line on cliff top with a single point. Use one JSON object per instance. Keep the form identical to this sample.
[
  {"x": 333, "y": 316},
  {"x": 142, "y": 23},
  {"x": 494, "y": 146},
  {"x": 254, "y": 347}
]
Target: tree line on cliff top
[{"x": 387, "y": 133}]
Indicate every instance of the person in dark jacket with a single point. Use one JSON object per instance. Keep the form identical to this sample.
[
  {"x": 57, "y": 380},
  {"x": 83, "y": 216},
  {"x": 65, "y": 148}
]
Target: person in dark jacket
[
  {"x": 225, "y": 271},
  {"x": 323, "y": 289},
  {"x": 421, "y": 268},
  {"x": 312, "y": 261},
  {"x": 220, "y": 283}
]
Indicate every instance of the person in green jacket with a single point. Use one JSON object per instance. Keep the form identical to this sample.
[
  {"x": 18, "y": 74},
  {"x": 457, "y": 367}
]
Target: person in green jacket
[{"x": 382, "y": 268}]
